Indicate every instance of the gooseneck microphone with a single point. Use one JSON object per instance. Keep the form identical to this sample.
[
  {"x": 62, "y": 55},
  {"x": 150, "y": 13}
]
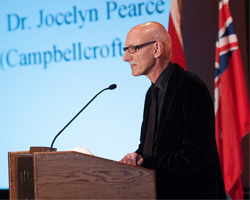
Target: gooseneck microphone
[{"x": 111, "y": 87}]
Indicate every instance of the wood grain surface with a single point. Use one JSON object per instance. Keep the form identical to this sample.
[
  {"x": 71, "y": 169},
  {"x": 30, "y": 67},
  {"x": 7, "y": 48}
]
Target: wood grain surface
[
  {"x": 12, "y": 172},
  {"x": 72, "y": 175},
  {"x": 13, "y": 169}
]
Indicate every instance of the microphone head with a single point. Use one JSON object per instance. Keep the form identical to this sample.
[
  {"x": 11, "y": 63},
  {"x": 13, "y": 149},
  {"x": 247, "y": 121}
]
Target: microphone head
[{"x": 111, "y": 87}]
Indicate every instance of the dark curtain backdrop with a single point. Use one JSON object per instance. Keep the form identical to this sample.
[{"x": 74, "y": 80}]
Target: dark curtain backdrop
[{"x": 200, "y": 28}]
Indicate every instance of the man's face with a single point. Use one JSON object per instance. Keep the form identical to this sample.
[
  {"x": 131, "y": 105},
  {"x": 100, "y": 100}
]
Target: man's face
[{"x": 142, "y": 61}]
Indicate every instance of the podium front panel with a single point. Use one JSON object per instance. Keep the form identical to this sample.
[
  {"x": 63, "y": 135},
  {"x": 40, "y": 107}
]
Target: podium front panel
[{"x": 73, "y": 175}]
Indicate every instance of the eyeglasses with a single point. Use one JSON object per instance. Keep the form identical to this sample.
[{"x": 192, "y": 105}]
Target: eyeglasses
[{"x": 133, "y": 49}]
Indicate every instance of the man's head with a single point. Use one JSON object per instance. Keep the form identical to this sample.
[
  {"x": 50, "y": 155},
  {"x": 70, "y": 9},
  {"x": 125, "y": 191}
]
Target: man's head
[{"x": 153, "y": 56}]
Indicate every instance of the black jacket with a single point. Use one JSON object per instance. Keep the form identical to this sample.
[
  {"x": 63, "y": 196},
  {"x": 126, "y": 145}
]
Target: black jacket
[{"x": 186, "y": 160}]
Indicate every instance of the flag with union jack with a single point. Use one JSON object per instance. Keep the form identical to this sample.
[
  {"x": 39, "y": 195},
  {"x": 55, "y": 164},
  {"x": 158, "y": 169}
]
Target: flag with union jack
[{"x": 231, "y": 103}]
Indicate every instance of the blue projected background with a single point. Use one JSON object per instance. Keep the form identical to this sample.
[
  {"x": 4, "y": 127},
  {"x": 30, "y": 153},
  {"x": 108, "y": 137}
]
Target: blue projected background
[{"x": 54, "y": 57}]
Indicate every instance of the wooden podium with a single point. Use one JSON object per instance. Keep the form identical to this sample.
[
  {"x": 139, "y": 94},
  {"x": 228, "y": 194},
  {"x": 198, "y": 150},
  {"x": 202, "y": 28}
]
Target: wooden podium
[{"x": 73, "y": 175}]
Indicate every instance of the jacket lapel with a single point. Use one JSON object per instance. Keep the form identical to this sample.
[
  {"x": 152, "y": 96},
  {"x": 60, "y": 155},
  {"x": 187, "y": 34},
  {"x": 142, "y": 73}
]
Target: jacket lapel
[{"x": 168, "y": 101}]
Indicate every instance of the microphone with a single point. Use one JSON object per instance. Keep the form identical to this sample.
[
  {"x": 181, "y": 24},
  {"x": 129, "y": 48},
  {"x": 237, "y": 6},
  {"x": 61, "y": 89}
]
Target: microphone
[{"x": 111, "y": 87}]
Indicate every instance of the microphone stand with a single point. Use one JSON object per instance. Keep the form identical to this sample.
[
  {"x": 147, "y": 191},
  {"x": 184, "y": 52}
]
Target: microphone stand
[{"x": 111, "y": 87}]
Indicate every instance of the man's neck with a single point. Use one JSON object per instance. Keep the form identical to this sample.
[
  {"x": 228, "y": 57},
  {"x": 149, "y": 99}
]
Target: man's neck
[{"x": 157, "y": 70}]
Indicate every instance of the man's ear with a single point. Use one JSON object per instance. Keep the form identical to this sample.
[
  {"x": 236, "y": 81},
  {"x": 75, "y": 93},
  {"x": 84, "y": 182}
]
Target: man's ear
[{"x": 158, "y": 49}]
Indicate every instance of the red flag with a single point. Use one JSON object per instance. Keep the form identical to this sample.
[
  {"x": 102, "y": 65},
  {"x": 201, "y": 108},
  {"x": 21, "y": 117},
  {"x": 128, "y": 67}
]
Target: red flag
[
  {"x": 174, "y": 29},
  {"x": 231, "y": 103}
]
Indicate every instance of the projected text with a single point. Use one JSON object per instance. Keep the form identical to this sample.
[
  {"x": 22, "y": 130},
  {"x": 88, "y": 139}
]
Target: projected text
[
  {"x": 77, "y": 52},
  {"x": 76, "y": 16}
]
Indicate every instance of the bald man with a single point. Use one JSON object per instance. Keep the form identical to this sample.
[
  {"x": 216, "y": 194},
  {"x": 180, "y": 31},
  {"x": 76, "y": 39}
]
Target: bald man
[{"x": 177, "y": 133}]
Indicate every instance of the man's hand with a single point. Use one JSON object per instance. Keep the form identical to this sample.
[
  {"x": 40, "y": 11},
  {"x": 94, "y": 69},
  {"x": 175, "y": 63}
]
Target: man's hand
[{"x": 132, "y": 159}]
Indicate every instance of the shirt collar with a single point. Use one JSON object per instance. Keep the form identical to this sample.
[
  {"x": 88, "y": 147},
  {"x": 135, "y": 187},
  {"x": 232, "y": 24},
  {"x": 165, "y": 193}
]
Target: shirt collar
[{"x": 162, "y": 80}]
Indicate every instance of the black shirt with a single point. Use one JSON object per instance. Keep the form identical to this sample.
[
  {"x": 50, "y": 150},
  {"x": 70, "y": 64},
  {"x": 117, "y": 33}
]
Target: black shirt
[{"x": 162, "y": 83}]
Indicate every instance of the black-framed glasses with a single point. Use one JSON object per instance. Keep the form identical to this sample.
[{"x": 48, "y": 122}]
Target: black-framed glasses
[{"x": 133, "y": 49}]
